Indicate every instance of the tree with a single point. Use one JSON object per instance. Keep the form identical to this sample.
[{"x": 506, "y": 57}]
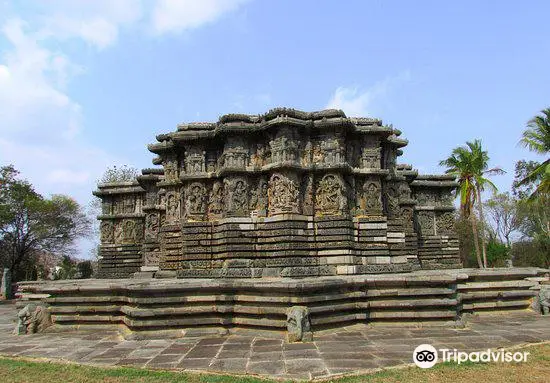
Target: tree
[
  {"x": 470, "y": 165},
  {"x": 503, "y": 211},
  {"x": 123, "y": 173},
  {"x": 534, "y": 217},
  {"x": 67, "y": 269},
  {"x": 30, "y": 223},
  {"x": 536, "y": 138},
  {"x": 85, "y": 269}
]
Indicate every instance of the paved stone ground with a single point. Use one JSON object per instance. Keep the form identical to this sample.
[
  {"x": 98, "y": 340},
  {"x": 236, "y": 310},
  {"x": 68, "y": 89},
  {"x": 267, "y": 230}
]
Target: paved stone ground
[{"x": 339, "y": 352}]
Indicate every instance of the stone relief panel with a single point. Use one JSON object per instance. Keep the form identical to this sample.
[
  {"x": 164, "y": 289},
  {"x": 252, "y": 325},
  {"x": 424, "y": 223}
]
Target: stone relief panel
[
  {"x": 129, "y": 204},
  {"x": 258, "y": 157},
  {"x": 107, "y": 232},
  {"x": 329, "y": 150},
  {"x": 283, "y": 194},
  {"x": 369, "y": 196},
  {"x": 172, "y": 207},
  {"x": 118, "y": 205},
  {"x": 171, "y": 171},
  {"x": 152, "y": 222},
  {"x": 195, "y": 201},
  {"x": 446, "y": 198},
  {"x": 235, "y": 153},
  {"x": 129, "y": 231},
  {"x": 331, "y": 196},
  {"x": 426, "y": 197},
  {"x": 307, "y": 154},
  {"x": 425, "y": 223},
  {"x": 258, "y": 197},
  {"x": 407, "y": 214},
  {"x": 390, "y": 158},
  {"x": 215, "y": 200},
  {"x": 404, "y": 191},
  {"x": 308, "y": 193},
  {"x": 391, "y": 195},
  {"x": 445, "y": 222},
  {"x": 212, "y": 160},
  {"x": 119, "y": 232},
  {"x": 139, "y": 231},
  {"x": 195, "y": 160},
  {"x": 236, "y": 197},
  {"x": 107, "y": 206},
  {"x": 370, "y": 153},
  {"x": 284, "y": 146}
]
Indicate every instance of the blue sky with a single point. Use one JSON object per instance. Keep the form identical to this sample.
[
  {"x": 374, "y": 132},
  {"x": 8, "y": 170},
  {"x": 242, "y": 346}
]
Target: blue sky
[{"x": 87, "y": 84}]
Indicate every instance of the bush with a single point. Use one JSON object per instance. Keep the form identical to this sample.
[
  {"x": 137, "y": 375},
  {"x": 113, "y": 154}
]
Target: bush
[
  {"x": 85, "y": 269},
  {"x": 497, "y": 254},
  {"x": 531, "y": 253}
]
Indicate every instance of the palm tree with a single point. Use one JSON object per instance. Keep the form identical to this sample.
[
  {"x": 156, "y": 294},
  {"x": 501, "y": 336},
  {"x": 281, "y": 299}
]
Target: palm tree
[
  {"x": 536, "y": 138},
  {"x": 470, "y": 164}
]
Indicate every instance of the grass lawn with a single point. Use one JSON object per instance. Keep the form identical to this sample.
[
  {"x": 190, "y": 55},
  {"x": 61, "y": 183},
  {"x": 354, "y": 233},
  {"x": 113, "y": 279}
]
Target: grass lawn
[{"x": 537, "y": 369}]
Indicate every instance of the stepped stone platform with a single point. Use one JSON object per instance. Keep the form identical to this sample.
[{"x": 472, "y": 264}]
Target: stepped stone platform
[
  {"x": 348, "y": 350},
  {"x": 296, "y": 309}
]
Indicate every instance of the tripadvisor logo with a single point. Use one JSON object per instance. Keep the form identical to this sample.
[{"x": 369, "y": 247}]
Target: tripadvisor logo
[{"x": 425, "y": 356}]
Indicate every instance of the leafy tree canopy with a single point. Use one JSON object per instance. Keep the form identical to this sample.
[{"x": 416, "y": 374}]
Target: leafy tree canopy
[
  {"x": 30, "y": 223},
  {"x": 119, "y": 174}
]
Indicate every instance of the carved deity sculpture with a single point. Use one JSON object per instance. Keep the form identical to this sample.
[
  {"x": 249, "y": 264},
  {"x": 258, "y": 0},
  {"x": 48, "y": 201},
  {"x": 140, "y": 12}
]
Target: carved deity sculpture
[
  {"x": 330, "y": 198},
  {"x": 151, "y": 225},
  {"x": 283, "y": 195},
  {"x": 171, "y": 169},
  {"x": 372, "y": 195},
  {"x": 195, "y": 202},
  {"x": 119, "y": 232},
  {"x": 284, "y": 147},
  {"x": 257, "y": 158},
  {"x": 195, "y": 160},
  {"x": 172, "y": 207},
  {"x": 332, "y": 151},
  {"x": 392, "y": 200},
  {"x": 107, "y": 233},
  {"x": 215, "y": 206},
  {"x": 308, "y": 196},
  {"x": 129, "y": 204},
  {"x": 129, "y": 230},
  {"x": 236, "y": 192}
]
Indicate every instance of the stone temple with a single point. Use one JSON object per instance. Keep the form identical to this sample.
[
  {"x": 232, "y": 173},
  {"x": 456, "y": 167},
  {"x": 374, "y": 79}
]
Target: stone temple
[
  {"x": 283, "y": 194},
  {"x": 288, "y": 223}
]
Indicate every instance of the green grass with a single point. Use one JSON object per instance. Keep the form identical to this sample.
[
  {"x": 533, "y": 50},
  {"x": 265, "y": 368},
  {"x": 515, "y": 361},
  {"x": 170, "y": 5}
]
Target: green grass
[{"x": 537, "y": 369}]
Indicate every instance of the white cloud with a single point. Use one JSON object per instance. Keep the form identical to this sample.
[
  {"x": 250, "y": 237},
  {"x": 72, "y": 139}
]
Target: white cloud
[
  {"x": 40, "y": 124},
  {"x": 359, "y": 103},
  {"x": 96, "y": 22},
  {"x": 180, "y": 15}
]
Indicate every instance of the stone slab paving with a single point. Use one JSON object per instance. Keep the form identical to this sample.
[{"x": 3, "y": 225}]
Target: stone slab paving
[{"x": 350, "y": 350}]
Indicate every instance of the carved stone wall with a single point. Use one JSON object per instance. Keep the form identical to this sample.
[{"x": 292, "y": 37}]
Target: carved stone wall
[{"x": 287, "y": 193}]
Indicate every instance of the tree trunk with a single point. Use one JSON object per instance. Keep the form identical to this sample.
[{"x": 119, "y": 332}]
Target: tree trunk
[
  {"x": 476, "y": 240},
  {"x": 482, "y": 221}
]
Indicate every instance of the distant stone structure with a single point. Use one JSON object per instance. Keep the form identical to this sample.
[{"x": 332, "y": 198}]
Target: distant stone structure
[{"x": 283, "y": 194}]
